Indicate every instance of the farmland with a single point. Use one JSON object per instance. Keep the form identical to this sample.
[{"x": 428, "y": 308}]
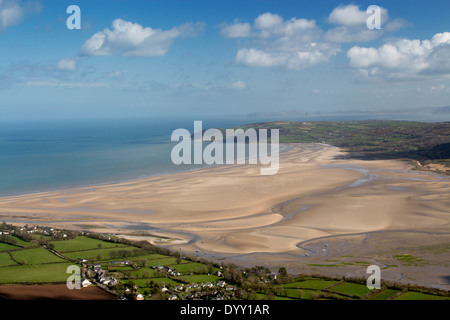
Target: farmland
[{"x": 138, "y": 270}]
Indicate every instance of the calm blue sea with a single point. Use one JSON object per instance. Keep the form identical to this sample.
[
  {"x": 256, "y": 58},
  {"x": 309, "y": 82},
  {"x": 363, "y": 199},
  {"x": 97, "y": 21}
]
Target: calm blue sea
[{"x": 49, "y": 155}]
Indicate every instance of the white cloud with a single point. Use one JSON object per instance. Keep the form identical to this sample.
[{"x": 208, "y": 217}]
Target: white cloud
[
  {"x": 236, "y": 30},
  {"x": 238, "y": 85},
  {"x": 351, "y": 24},
  {"x": 12, "y": 12},
  {"x": 67, "y": 64},
  {"x": 349, "y": 15},
  {"x": 275, "y": 42},
  {"x": 132, "y": 39},
  {"x": 403, "y": 58}
]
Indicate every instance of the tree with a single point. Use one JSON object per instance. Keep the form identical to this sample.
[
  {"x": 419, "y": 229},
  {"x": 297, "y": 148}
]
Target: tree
[{"x": 282, "y": 272}]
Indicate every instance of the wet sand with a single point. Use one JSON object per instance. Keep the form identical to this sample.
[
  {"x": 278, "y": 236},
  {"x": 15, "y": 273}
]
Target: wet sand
[{"x": 319, "y": 207}]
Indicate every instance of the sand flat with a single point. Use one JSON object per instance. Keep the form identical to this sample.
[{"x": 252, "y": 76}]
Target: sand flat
[{"x": 234, "y": 210}]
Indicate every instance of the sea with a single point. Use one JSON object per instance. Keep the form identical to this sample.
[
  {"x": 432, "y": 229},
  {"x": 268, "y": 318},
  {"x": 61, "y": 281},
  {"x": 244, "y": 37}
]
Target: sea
[{"x": 48, "y": 155}]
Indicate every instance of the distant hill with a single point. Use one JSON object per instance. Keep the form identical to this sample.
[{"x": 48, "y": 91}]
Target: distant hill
[
  {"x": 441, "y": 151},
  {"x": 373, "y": 139},
  {"x": 285, "y": 113},
  {"x": 444, "y": 110}
]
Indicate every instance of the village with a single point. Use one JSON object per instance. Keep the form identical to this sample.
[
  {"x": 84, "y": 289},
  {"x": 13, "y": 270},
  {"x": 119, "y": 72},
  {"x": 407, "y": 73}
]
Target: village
[{"x": 193, "y": 291}]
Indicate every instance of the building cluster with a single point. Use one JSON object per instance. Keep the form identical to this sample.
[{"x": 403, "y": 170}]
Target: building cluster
[
  {"x": 169, "y": 270},
  {"x": 37, "y": 230},
  {"x": 99, "y": 275}
]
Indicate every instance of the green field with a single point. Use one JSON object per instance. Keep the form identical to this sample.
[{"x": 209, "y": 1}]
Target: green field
[
  {"x": 200, "y": 278},
  {"x": 21, "y": 243},
  {"x": 351, "y": 289},
  {"x": 5, "y": 260},
  {"x": 420, "y": 296},
  {"x": 161, "y": 281},
  {"x": 83, "y": 243},
  {"x": 35, "y": 256},
  {"x": 6, "y": 246},
  {"x": 385, "y": 294},
  {"x": 311, "y": 284},
  {"x": 192, "y": 267},
  {"x": 101, "y": 254},
  {"x": 168, "y": 261},
  {"x": 148, "y": 257},
  {"x": 144, "y": 273},
  {"x": 52, "y": 272}
]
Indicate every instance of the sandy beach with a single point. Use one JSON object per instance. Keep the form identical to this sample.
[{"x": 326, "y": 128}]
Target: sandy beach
[{"x": 321, "y": 213}]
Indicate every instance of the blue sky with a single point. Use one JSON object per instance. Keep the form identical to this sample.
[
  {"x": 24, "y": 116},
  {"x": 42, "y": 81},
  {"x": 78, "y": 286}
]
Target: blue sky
[{"x": 202, "y": 58}]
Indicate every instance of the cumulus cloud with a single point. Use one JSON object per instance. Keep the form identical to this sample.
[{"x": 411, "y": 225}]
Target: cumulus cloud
[
  {"x": 351, "y": 25},
  {"x": 236, "y": 30},
  {"x": 349, "y": 15},
  {"x": 403, "y": 58},
  {"x": 132, "y": 39},
  {"x": 12, "y": 12},
  {"x": 275, "y": 42}
]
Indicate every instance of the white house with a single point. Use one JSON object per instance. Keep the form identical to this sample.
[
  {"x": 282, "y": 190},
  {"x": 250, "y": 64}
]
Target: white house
[
  {"x": 139, "y": 297},
  {"x": 86, "y": 283}
]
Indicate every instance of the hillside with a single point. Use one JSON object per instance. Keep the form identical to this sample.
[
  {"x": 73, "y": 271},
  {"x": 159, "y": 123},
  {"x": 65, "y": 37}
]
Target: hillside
[{"x": 423, "y": 142}]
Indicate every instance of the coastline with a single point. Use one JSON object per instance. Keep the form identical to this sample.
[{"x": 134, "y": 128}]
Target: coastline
[{"x": 231, "y": 213}]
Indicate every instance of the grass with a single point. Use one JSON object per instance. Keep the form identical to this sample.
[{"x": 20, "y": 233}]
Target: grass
[
  {"x": 37, "y": 273},
  {"x": 385, "y": 294},
  {"x": 352, "y": 289},
  {"x": 5, "y": 260},
  {"x": 6, "y": 246},
  {"x": 148, "y": 257},
  {"x": 193, "y": 267},
  {"x": 200, "y": 278},
  {"x": 113, "y": 268},
  {"x": 161, "y": 281},
  {"x": 21, "y": 243},
  {"x": 168, "y": 261},
  {"x": 144, "y": 273},
  {"x": 104, "y": 254},
  {"x": 35, "y": 256},
  {"x": 311, "y": 284},
  {"x": 420, "y": 296},
  {"x": 83, "y": 243}
]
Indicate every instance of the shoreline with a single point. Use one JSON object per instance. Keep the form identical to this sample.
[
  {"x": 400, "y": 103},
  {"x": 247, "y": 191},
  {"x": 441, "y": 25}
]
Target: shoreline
[
  {"x": 125, "y": 180},
  {"x": 231, "y": 213}
]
